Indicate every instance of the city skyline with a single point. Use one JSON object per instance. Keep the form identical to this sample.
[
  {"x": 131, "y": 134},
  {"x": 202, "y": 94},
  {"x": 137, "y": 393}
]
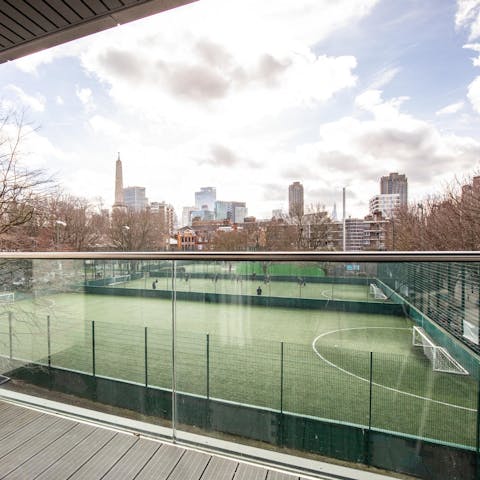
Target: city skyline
[{"x": 192, "y": 103}]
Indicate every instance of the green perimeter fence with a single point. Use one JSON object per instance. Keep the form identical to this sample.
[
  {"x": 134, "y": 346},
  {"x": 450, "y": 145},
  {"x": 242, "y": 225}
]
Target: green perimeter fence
[{"x": 383, "y": 391}]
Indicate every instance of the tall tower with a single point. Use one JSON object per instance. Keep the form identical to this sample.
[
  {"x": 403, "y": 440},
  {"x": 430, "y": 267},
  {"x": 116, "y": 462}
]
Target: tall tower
[
  {"x": 295, "y": 199},
  {"x": 395, "y": 183},
  {"x": 119, "y": 200}
]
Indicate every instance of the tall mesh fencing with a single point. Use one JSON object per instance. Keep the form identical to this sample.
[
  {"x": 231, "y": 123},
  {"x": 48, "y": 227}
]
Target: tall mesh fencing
[{"x": 447, "y": 293}]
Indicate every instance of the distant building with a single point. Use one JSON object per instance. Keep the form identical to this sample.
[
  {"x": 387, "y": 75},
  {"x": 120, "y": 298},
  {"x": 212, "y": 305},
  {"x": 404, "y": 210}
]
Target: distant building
[
  {"x": 202, "y": 215},
  {"x": 166, "y": 215},
  {"x": 205, "y": 198},
  {"x": 135, "y": 199},
  {"x": 384, "y": 204},
  {"x": 334, "y": 212},
  {"x": 295, "y": 200},
  {"x": 395, "y": 183},
  {"x": 119, "y": 200},
  {"x": 233, "y": 211},
  {"x": 186, "y": 216},
  {"x": 367, "y": 233},
  {"x": 472, "y": 189},
  {"x": 278, "y": 213}
]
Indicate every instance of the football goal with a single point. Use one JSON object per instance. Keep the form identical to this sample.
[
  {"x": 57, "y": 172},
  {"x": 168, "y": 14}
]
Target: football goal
[
  {"x": 119, "y": 279},
  {"x": 439, "y": 357},
  {"x": 7, "y": 297},
  {"x": 376, "y": 292}
]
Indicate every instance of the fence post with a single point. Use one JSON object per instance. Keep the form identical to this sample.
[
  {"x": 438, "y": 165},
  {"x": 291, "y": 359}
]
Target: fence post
[
  {"x": 146, "y": 358},
  {"x": 49, "y": 350},
  {"x": 174, "y": 346},
  {"x": 208, "y": 366},
  {"x": 477, "y": 443},
  {"x": 282, "y": 420},
  {"x": 368, "y": 442},
  {"x": 281, "y": 378},
  {"x": 93, "y": 347},
  {"x": 10, "y": 334},
  {"x": 207, "y": 403}
]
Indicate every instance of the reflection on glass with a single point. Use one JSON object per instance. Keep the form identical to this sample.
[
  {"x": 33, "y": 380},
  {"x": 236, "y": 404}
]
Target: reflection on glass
[{"x": 301, "y": 355}]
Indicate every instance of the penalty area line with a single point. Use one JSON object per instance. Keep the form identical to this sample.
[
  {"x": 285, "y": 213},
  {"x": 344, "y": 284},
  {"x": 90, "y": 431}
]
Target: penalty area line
[{"x": 374, "y": 383}]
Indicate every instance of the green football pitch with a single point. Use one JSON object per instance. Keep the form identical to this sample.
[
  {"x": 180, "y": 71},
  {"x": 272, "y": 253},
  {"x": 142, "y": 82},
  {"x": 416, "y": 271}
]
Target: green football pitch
[
  {"x": 274, "y": 288},
  {"x": 307, "y": 362}
]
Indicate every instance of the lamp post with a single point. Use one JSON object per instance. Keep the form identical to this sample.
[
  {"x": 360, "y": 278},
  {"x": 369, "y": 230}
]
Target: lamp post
[
  {"x": 420, "y": 207},
  {"x": 125, "y": 229},
  {"x": 58, "y": 224}
]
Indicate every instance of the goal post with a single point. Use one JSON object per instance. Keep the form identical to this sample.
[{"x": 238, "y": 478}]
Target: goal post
[
  {"x": 376, "y": 292},
  {"x": 439, "y": 357},
  {"x": 119, "y": 279}
]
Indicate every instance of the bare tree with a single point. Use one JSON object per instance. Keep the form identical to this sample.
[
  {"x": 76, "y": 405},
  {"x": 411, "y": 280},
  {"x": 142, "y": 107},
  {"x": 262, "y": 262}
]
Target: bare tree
[
  {"x": 312, "y": 228},
  {"x": 133, "y": 231},
  {"x": 20, "y": 187}
]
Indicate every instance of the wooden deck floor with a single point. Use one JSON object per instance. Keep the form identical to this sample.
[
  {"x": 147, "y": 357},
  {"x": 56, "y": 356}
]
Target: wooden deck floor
[{"x": 37, "y": 445}]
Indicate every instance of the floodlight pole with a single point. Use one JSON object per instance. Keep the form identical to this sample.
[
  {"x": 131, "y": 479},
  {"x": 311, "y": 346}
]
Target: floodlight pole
[{"x": 344, "y": 224}]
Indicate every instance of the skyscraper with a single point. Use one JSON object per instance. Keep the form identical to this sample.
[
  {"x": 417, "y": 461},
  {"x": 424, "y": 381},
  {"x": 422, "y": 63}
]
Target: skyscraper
[
  {"x": 295, "y": 199},
  {"x": 234, "y": 211},
  {"x": 206, "y": 197},
  {"x": 119, "y": 199},
  {"x": 395, "y": 183},
  {"x": 134, "y": 198}
]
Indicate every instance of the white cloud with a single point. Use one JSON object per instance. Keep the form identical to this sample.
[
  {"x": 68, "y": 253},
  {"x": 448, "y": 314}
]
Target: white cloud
[
  {"x": 105, "y": 126},
  {"x": 35, "y": 150},
  {"x": 371, "y": 101},
  {"x": 354, "y": 151},
  {"x": 85, "y": 95},
  {"x": 35, "y": 102},
  {"x": 179, "y": 69},
  {"x": 474, "y": 94},
  {"x": 59, "y": 100},
  {"x": 450, "y": 109},
  {"x": 468, "y": 16},
  {"x": 476, "y": 48},
  {"x": 384, "y": 77}
]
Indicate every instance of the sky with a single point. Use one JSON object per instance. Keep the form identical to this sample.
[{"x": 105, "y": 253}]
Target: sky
[{"x": 250, "y": 96}]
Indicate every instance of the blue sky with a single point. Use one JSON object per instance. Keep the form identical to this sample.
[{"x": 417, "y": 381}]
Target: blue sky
[{"x": 249, "y": 96}]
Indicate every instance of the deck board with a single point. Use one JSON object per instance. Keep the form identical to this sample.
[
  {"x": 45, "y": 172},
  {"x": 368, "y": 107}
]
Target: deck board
[
  {"x": 56, "y": 450},
  {"x": 274, "y": 475},
  {"x": 34, "y": 446},
  {"x": 250, "y": 472},
  {"x": 162, "y": 463},
  {"x": 220, "y": 469},
  {"x": 44, "y": 446},
  {"x": 75, "y": 459},
  {"x": 105, "y": 458},
  {"x": 27, "y": 432},
  {"x": 133, "y": 461},
  {"x": 191, "y": 465}
]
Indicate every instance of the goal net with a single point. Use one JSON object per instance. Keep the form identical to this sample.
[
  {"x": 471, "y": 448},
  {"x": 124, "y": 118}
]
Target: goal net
[
  {"x": 439, "y": 357},
  {"x": 376, "y": 292},
  {"x": 7, "y": 297},
  {"x": 119, "y": 279}
]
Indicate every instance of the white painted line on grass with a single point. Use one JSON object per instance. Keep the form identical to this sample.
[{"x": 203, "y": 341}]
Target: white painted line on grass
[{"x": 374, "y": 383}]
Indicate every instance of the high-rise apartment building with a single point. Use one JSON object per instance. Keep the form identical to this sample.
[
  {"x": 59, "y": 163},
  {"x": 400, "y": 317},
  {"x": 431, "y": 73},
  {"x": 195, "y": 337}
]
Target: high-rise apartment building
[
  {"x": 295, "y": 200},
  {"x": 165, "y": 214},
  {"x": 395, "y": 183},
  {"x": 135, "y": 199},
  {"x": 385, "y": 204},
  {"x": 205, "y": 198}
]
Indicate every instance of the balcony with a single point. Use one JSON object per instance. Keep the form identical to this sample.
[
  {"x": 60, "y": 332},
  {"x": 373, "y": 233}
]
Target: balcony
[{"x": 268, "y": 362}]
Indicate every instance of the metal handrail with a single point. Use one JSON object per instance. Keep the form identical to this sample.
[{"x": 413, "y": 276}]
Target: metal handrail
[{"x": 255, "y": 256}]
